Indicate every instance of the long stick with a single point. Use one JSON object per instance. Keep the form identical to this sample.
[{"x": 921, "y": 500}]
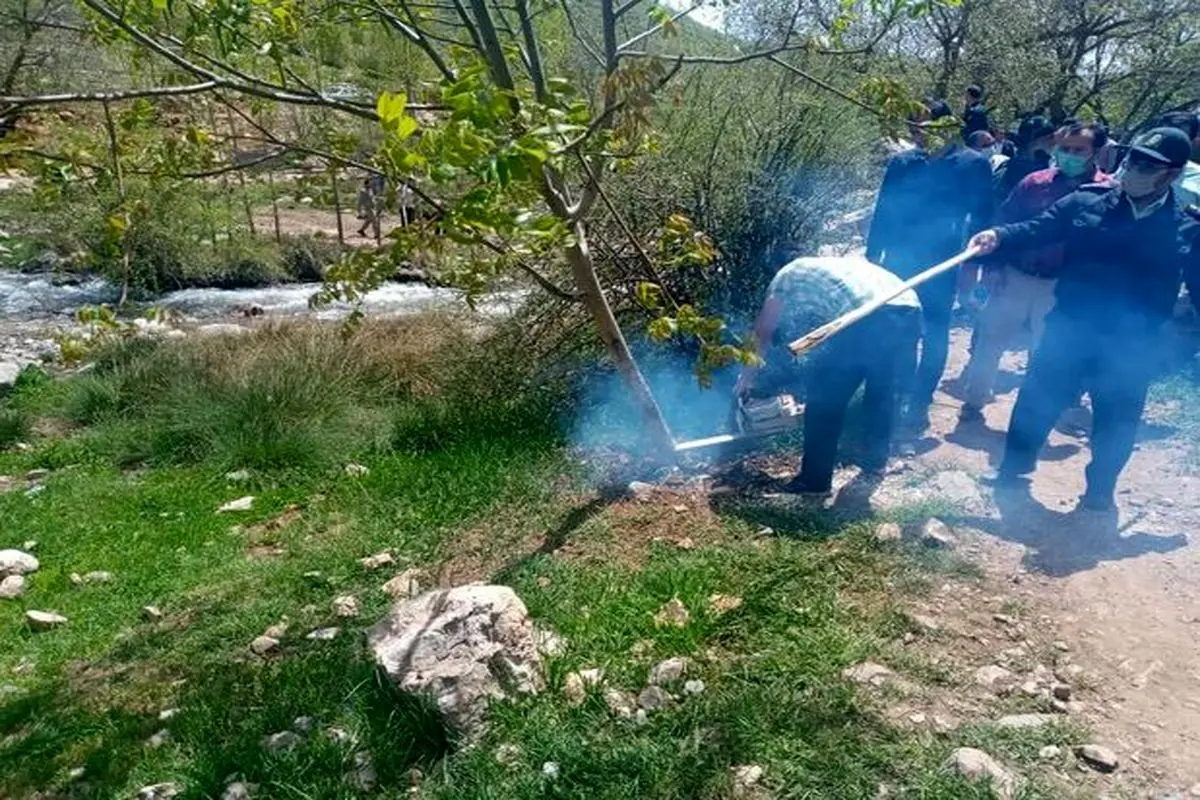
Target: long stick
[{"x": 811, "y": 340}]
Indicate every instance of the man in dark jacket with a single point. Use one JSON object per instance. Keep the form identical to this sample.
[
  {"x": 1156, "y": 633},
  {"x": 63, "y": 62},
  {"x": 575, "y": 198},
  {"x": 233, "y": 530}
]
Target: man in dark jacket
[
  {"x": 927, "y": 205},
  {"x": 1035, "y": 138},
  {"x": 975, "y": 115},
  {"x": 1125, "y": 251}
]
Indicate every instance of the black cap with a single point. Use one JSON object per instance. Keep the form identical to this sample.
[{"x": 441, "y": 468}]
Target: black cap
[
  {"x": 1034, "y": 128},
  {"x": 1169, "y": 146},
  {"x": 938, "y": 109}
]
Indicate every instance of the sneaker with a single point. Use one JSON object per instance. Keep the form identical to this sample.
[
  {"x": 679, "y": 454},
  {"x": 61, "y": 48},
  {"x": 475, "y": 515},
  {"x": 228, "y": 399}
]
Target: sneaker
[
  {"x": 799, "y": 486},
  {"x": 970, "y": 413},
  {"x": 1097, "y": 503}
]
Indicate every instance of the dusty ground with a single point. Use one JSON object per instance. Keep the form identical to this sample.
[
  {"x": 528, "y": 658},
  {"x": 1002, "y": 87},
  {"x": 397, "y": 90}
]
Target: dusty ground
[
  {"x": 1121, "y": 595},
  {"x": 321, "y": 222}
]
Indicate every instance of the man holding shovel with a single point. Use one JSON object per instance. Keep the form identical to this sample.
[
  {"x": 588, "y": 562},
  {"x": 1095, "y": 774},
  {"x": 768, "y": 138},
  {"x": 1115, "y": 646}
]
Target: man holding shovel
[
  {"x": 803, "y": 296},
  {"x": 1125, "y": 250}
]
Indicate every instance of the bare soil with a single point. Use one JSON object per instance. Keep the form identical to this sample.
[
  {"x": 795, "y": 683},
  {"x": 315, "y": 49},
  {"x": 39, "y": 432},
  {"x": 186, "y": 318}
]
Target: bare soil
[{"x": 1118, "y": 594}]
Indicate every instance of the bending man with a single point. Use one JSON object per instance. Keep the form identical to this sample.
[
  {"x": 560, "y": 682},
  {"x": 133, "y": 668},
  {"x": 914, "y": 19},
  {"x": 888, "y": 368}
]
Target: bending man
[{"x": 804, "y": 295}]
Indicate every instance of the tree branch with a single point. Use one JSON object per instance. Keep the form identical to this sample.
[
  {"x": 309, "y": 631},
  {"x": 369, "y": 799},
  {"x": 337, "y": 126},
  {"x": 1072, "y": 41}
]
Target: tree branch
[
  {"x": 651, "y": 31},
  {"x": 108, "y": 97}
]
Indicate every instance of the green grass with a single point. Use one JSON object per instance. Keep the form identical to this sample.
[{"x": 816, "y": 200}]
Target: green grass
[{"x": 444, "y": 474}]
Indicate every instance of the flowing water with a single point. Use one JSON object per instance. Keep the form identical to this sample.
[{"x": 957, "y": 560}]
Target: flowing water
[{"x": 33, "y": 307}]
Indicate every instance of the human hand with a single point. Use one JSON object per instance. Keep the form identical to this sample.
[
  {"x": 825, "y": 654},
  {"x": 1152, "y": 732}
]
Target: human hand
[{"x": 985, "y": 241}]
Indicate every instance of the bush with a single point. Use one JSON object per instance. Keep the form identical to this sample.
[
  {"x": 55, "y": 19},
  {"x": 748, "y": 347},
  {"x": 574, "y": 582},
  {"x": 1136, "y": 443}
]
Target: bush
[
  {"x": 301, "y": 396},
  {"x": 14, "y": 427}
]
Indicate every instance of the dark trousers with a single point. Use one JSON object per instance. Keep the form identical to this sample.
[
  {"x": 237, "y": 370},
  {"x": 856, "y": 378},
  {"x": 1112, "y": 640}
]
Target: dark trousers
[
  {"x": 937, "y": 305},
  {"x": 872, "y": 353},
  {"x": 1072, "y": 359}
]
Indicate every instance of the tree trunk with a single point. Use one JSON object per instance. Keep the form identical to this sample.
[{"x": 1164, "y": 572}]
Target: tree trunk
[
  {"x": 274, "y": 204},
  {"x": 119, "y": 178},
  {"x": 233, "y": 138},
  {"x": 337, "y": 205},
  {"x": 583, "y": 270}
]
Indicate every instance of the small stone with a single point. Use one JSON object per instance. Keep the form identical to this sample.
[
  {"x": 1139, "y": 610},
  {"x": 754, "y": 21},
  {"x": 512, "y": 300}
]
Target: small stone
[
  {"x": 17, "y": 562},
  {"x": 937, "y": 535},
  {"x": 641, "y": 718},
  {"x": 159, "y": 739},
  {"x": 641, "y": 490},
  {"x": 284, "y": 740},
  {"x": 1062, "y": 647},
  {"x": 345, "y": 606},
  {"x": 976, "y": 765},
  {"x": 364, "y": 777},
  {"x": 995, "y": 678},
  {"x": 168, "y": 714},
  {"x": 693, "y": 687},
  {"x": 1031, "y": 689},
  {"x": 381, "y": 559},
  {"x": 574, "y": 689},
  {"x": 12, "y": 587},
  {"x": 75, "y": 773},
  {"x": 23, "y": 667},
  {"x": 550, "y": 770},
  {"x": 44, "y": 620},
  {"x": 1004, "y": 619},
  {"x": 917, "y": 718},
  {"x": 1025, "y": 720},
  {"x": 888, "y": 532},
  {"x": 324, "y": 634},
  {"x": 944, "y": 725},
  {"x": 236, "y": 791},
  {"x": 652, "y": 698},
  {"x": 672, "y": 614},
  {"x": 543, "y": 582},
  {"x": 302, "y": 724},
  {"x": 620, "y": 703},
  {"x": 159, "y": 791},
  {"x": 339, "y": 735},
  {"x": 241, "y": 504},
  {"x": 1068, "y": 673},
  {"x": 238, "y": 476},
  {"x": 719, "y": 604},
  {"x": 264, "y": 645},
  {"x": 356, "y": 470},
  {"x": 687, "y": 542},
  {"x": 669, "y": 671},
  {"x": 405, "y": 585},
  {"x": 29, "y": 544},
  {"x": 926, "y": 624},
  {"x": 1195, "y": 790},
  {"x": 277, "y": 631},
  {"x": 508, "y": 755},
  {"x": 152, "y": 613},
  {"x": 1049, "y": 752},
  {"x": 314, "y": 577},
  {"x": 37, "y": 474},
  {"x": 1061, "y": 691},
  {"x": 745, "y": 778},
  {"x": 1098, "y": 758},
  {"x": 549, "y": 642},
  {"x": 592, "y": 677},
  {"x": 868, "y": 674}
]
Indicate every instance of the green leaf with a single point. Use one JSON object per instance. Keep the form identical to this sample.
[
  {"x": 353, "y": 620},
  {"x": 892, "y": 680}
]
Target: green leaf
[
  {"x": 390, "y": 107},
  {"x": 649, "y": 295},
  {"x": 159, "y": 5}
]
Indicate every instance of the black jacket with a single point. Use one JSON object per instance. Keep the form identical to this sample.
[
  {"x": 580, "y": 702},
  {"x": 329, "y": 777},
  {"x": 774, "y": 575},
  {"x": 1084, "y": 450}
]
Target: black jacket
[
  {"x": 924, "y": 204},
  {"x": 1120, "y": 275}
]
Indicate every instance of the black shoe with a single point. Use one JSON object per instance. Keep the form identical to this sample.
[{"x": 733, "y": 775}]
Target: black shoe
[
  {"x": 1097, "y": 503},
  {"x": 801, "y": 487},
  {"x": 970, "y": 413}
]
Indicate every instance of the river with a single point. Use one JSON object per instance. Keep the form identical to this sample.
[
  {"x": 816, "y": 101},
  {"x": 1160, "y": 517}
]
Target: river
[{"x": 33, "y": 307}]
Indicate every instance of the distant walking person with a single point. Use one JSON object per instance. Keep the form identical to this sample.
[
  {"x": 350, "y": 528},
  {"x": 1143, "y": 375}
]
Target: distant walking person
[
  {"x": 804, "y": 295},
  {"x": 927, "y": 205},
  {"x": 1021, "y": 288},
  {"x": 1124, "y": 252},
  {"x": 368, "y": 209},
  {"x": 975, "y": 115}
]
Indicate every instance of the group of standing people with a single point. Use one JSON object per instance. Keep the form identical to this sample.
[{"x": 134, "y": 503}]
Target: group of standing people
[{"x": 1090, "y": 261}]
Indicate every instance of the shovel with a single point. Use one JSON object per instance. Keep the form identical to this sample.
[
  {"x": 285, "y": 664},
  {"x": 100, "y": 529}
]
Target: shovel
[{"x": 814, "y": 338}]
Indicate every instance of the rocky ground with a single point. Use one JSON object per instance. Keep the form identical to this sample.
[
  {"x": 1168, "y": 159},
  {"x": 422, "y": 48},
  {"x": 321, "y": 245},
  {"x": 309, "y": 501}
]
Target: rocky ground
[{"x": 1094, "y": 617}]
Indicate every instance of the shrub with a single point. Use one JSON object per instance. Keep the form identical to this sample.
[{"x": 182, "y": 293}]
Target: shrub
[{"x": 14, "y": 427}]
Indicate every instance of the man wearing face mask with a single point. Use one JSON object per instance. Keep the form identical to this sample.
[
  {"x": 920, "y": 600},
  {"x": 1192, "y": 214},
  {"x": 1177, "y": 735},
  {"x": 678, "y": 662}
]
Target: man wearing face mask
[
  {"x": 1022, "y": 289},
  {"x": 1125, "y": 250}
]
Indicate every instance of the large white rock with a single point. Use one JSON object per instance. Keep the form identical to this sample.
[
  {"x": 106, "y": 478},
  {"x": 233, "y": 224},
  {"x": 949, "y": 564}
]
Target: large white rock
[
  {"x": 462, "y": 647},
  {"x": 17, "y": 562},
  {"x": 976, "y": 765}
]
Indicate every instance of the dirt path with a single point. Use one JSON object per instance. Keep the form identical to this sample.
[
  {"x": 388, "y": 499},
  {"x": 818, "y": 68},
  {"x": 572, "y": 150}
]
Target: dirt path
[
  {"x": 1122, "y": 592},
  {"x": 320, "y": 222}
]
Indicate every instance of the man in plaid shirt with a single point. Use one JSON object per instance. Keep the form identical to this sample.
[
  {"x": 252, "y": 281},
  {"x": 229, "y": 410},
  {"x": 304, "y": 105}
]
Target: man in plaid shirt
[{"x": 804, "y": 295}]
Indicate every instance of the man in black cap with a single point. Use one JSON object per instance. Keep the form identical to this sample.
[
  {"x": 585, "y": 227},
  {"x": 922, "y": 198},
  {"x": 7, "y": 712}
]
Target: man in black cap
[
  {"x": 928, "y": 203},
  {"x": 1125, "y": 250},
  {"x": 975, "y": 115},
  {"x": 1035, "y": 140}
]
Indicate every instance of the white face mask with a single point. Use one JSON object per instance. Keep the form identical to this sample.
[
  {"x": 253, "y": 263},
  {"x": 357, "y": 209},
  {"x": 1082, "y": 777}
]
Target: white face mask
[{"x": 1136, "y": 183}]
